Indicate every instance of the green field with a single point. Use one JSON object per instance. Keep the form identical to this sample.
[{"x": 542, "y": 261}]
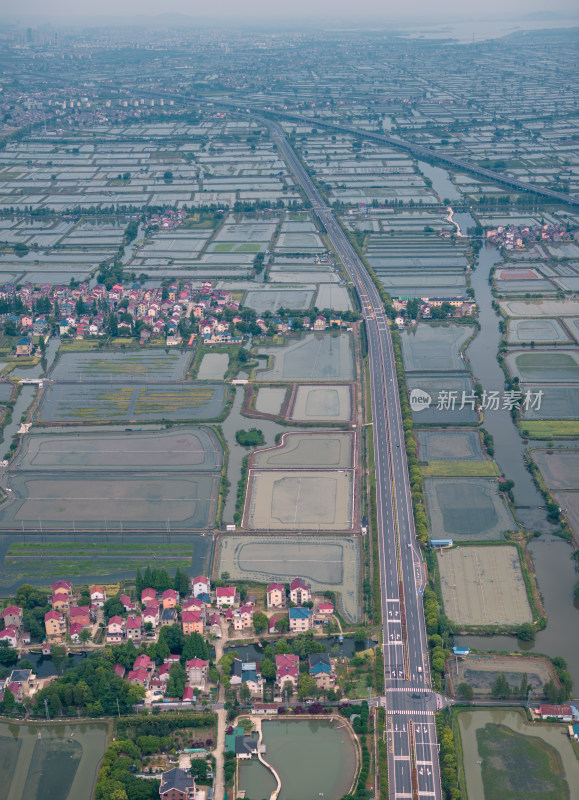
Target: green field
[
  {"x": 549, "y": 429},
  {"x": 458, "y": 469},
  {"x": 517, "y": 767}
]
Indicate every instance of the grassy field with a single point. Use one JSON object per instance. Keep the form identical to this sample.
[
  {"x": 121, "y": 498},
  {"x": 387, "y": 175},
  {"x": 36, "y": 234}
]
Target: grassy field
[
  {"x": 516, "y": 766},
  {"x": 549, "y": 429},
  {"x": 460, "y": 469}
]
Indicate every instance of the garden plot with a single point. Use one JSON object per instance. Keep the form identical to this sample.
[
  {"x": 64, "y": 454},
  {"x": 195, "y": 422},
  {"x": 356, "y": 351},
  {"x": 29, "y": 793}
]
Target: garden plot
[
  {"x": 141, "y": 365},
  {"x": 322, "y": 404},
  {"x": 136, "y": 501},
  {"x": 308, "y": 450},
  {"x": 275, "y": 298},
  {"x": 99, "y": 555},
  {"x": 483, "y": 586},
  {"x": 435, "y": 348},
  {"x": 449, "y": 445},
  {"x": 299, "y": 500},
  {"x": 191, "y": 449},
  {"x": 481, "y": 672},
  {"x": 545, "y": 366},
  {"x": 466, "y": 508},
  {"x": 328, "y": 563},
  {"x": 536, "y": 330},
  {"x": 315, "y": 357},
  {"x": 84, "y": 402},
  {"x": 560, "y": 468}
]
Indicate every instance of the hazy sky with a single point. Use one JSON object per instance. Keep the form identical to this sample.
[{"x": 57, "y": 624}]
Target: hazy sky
[{"x": 328, "y": 10}]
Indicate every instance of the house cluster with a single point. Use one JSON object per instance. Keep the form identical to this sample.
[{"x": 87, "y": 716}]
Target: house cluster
[
  {"x": 158, "y": 609},
  {"x": 66, "y": 618},
  {"x": 513, "y": 237},
  {"x": 84, "y": 311},
  {"x": 561, "y": 713},
  {"x": 456, "y": 306},
  {"x": 303, "y": 613},
  {"x": 155, "y": 678},
  {"x": 168, "y": 220}
]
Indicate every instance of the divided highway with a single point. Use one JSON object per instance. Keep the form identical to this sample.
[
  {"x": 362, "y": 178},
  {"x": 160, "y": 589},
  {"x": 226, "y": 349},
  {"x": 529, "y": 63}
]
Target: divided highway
[{"x": 413, "y": 770}]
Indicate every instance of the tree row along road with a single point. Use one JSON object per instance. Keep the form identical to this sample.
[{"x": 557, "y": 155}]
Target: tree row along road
[{"x": 413, "y": 769}]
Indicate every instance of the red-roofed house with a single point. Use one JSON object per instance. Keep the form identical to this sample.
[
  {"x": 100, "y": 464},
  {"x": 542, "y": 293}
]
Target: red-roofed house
[
  {"x": 243, "y": 618},
  {"x": 115, "y": 630},
  {"x": 54, "y": 624},
  {"x": 128, "y": 604},
  {"x": 225, "y": 596},
  {"x": 170, "y": 598},
  {"x": 151, "y": 614},
  {"x": 193, "y": 604},
  {"x": 287, "y": 668},
  {"x": 189, "y": 695},
  {"x": 326, "y": 609},
  {"x": 200, "y": 585},
  {"x": 61, "y": 587},
  {"x": 119, "y": 670},
  {"x": 98, "y": 596},
  {"x": 75, "y": 631},
  {"x": 148, "y": 596},
  {"x": 192, "y": 622},
  {"x": 134, "y": 628},
  {"x": 139, "y": 677},
  {"x": 10, "y": 636},
  {"x": 276, "y": 595},
  {"x": 564, "y": 713},
  {"x": 80, "y": 615},
  {"x": 197, "y": 670},
  {"x": 13, "y": 616},
  {"x": 144, "y": 662},
  {"x": 300, "y": 592}
]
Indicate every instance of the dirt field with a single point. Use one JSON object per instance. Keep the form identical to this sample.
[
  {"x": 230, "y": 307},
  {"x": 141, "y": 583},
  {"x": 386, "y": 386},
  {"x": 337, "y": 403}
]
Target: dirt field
[
  {"x": 560, "y": 468},
  {"x": 303, "y": 450},
  {"x": 467, "y": 508},
  {"x": 483, "y": 586},
  {"x": 315, "y": 357},
  {"x": 322, "y": 403},
  {"x": 299, "y": 500},
  {"x": 542, "y": 366},
  {"x": 481, "y": 672},
  {"x": 434, "y": 347},
  {"x": 326, "y": 562},
  {"x": 139, "y": 501},
  {"x": 449, "y": 445},
  {"x": 183, "y": 448}
]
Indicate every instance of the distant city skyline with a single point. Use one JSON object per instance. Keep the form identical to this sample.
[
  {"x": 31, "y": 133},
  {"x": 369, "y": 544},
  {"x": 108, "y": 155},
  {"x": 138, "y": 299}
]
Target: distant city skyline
[{"x": 331, "y": 11}]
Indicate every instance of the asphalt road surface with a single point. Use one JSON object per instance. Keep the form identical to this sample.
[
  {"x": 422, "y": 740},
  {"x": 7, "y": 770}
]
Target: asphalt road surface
[{"x": 413, "y": 769}]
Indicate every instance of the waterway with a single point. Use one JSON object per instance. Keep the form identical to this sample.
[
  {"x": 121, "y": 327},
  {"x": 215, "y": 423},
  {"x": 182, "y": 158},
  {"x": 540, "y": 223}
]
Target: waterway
[
  {"x": 441, "y": 182},
  {"x": 555, "y": 735},
  {"x": 314, "y": 758},
  {"x": 509, "y": 447}
]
